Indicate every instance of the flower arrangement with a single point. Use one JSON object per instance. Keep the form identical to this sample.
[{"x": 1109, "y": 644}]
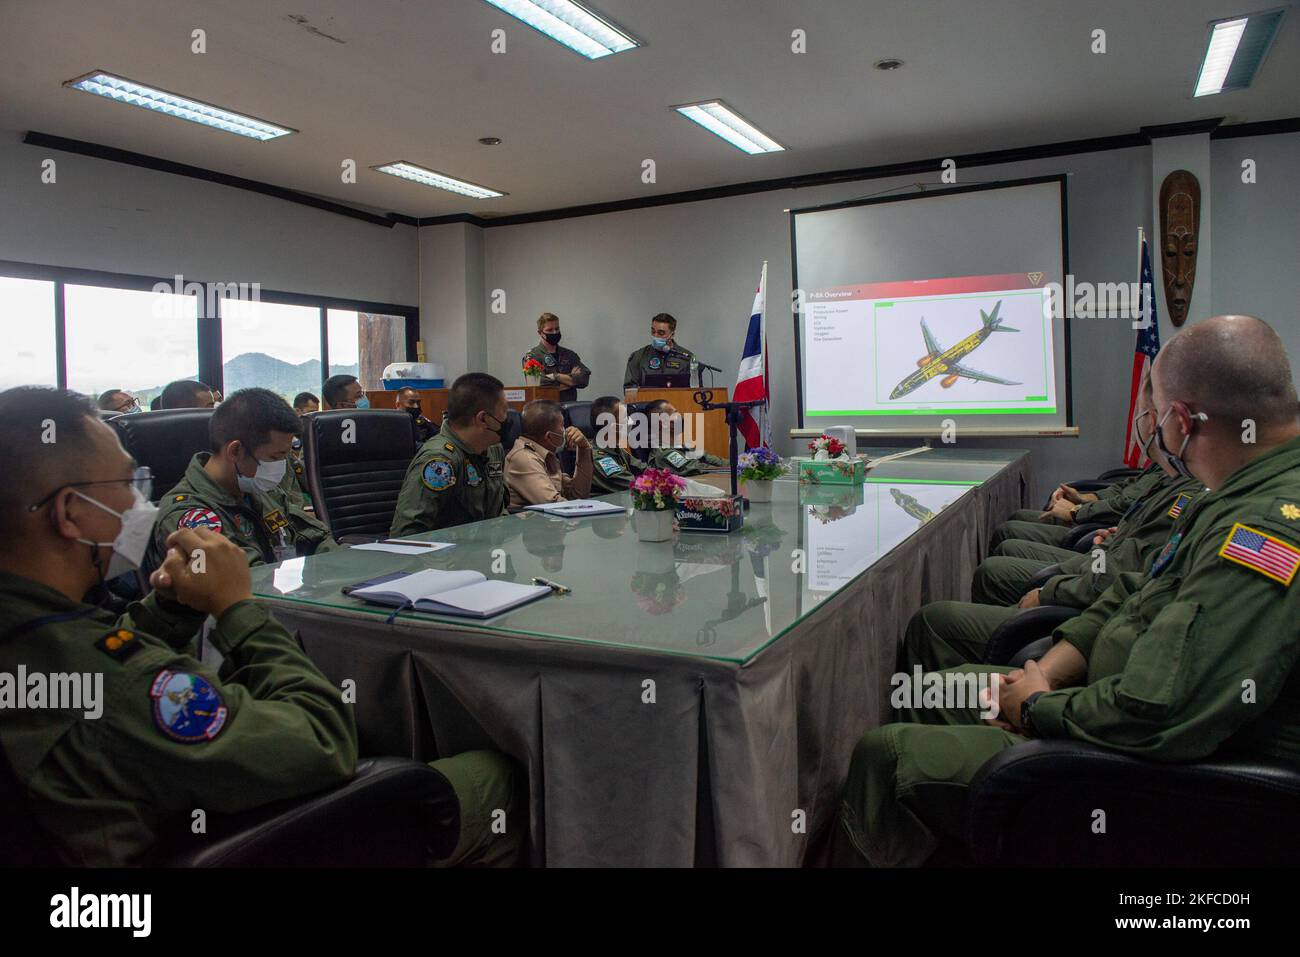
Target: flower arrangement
[
  {"x": 655, "y": 490},
  {"x": 832, "y": 447},
  {"x": 761, "y": 465},
  {"x": 533, "y": 369}
]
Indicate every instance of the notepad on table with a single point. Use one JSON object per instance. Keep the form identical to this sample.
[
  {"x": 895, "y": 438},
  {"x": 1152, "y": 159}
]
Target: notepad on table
[
  {"x": 577, "y": 508},
  {"x": 440, "y": 592}
]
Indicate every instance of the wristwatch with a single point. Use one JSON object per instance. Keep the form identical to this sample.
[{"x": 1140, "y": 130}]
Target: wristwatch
[{"x": 1026, "y": 707}]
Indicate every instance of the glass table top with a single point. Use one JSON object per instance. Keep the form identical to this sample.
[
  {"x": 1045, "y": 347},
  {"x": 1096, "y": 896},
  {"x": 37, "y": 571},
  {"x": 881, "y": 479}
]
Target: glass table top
[{"x": 710, "y": 595}]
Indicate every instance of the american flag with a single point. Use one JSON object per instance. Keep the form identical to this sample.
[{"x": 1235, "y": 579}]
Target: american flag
[
  {"x": 751, "y": 379},
  {"x": 1264, "y": 553},
  {"x": 1177, "y": 508},
  {"x": 1148, "y": 344}
]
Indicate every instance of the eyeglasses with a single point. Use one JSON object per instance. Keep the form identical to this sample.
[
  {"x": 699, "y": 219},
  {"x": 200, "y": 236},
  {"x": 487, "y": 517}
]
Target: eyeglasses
[{"x": 141, "y": 479}]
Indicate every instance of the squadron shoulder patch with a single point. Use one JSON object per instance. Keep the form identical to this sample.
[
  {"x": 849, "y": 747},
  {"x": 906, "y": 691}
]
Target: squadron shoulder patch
[
  {"x": 119, "y": 644},
  {"x": 1180, "y": 503},
  {"x": 1261, "y": 552},
  {"x": 195, "y": 517},
  {"x": 675, "y": 458},
  {"x": 186, "y": 708},
  {"x": 439, "y": 474},
  {"x": 608, "y": 465}
]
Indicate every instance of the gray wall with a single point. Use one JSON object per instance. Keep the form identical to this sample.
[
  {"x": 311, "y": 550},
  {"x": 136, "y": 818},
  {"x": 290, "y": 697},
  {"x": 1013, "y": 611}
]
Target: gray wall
[
  {"x": 1257, "y": 235},
  {"x": 119, "y": 218},
  {"x": 605, "y": 276}
]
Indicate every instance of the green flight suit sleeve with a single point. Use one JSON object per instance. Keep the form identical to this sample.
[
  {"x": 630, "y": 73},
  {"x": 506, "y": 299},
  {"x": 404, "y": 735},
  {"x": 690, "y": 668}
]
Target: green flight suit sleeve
[
  {"x": 1082, "y": 631},
  {"x": 580, "y": 374},
  {"x": 168, "y": 621},
  {"x": 1180, "y": 694},
  {"x": 287, "y": 731},
  {"x": 1079, "y": 585}
]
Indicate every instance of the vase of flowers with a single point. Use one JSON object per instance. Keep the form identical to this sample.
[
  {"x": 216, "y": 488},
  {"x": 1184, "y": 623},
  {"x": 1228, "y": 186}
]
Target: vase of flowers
[
  {"x": 825, "y": 448},
  {"x": 654, "y": 493},
  {"x": 533, "y": 370},
  {"x": 758, "y": 469}
]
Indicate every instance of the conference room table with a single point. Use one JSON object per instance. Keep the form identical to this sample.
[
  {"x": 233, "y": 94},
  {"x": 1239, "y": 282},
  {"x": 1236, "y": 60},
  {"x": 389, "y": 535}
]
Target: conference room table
[{"x": 691, "y": 702}]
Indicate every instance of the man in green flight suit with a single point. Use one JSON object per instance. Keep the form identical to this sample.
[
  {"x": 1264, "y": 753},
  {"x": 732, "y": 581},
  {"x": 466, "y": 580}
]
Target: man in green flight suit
[
  {"x": 614, "y": 467},
  {"x": 237, "y": 488},
  {"x": 561, "y": 367},
  {"x": 107, "y": 776},
  {"x": 1155, "y": 667},
  {"x": 1070, "y": 509},
  {"x": 458, "y": 476},
  {"x": 667, "y": 450},
  {"x": 663, "y": 357},
  {"x": 945, "y": 634}
]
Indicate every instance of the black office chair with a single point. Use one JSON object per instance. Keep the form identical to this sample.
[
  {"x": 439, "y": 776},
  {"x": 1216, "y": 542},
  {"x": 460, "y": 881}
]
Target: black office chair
[
  {"x": 395, "y": 812},
  {"x": 165, "y": 441},
  {"x": 1037, "y": 804},
  {"x": 578, "y": 414},
  {"x": 355, "y": 470},
  {"x": 513, "y": 428}
]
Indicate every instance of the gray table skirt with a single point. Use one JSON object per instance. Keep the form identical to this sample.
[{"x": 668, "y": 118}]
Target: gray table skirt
[{"x": 733, "y": 765}]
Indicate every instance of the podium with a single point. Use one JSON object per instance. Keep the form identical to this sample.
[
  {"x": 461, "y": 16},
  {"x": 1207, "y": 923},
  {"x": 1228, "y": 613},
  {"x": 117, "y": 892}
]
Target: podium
[
  {"x": 716, "y": 439},
  {"x": 433, "y": 402}
]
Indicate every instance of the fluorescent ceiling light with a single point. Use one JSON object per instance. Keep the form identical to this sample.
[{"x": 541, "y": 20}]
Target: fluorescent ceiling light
[
  {"x": 566, "y": 22},
  {"x": 428, "y": 177},
  {"x": 1235, "y": 50},
  {"x": 160, "y": 101},
  {"x": 716, "y": 117}
]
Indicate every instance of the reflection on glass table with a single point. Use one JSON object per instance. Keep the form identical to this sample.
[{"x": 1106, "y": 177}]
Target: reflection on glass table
[{"x": 722, "y": 596}]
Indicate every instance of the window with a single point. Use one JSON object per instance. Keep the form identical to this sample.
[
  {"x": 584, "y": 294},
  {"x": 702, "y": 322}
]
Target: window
[
  {"x": 363, "y": 343},
  {"x": 271, "y": 345},
  {"x": 27, "y": 325},
  {"x": 129, "y": 339}
]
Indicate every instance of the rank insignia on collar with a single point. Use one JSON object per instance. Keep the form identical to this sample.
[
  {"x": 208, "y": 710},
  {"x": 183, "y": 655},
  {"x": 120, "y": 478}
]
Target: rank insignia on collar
[
  {"x": 1261, "y": 552},
  {"x": 179, "y": 498},
  {"x": 1290, "y": 511},
  {"x": 449, "y": 447},
  {"x": 119, "y": 644}
]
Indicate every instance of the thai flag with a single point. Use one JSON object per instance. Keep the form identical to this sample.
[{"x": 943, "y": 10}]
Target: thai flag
[
  {"x": 751, "y": 380},
  {"x": 1148, "y": 344}
]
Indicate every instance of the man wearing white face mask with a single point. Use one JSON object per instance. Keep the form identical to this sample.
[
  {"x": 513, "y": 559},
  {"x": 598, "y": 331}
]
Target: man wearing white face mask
[
  {"x": 236, "y": 488},
  {"x": 533, "y": 473}
]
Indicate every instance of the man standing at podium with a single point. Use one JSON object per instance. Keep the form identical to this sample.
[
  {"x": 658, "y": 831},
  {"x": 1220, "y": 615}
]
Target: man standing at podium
[
  {"x": 663, "y": 357},
  {"x": 564, "y": 367}
]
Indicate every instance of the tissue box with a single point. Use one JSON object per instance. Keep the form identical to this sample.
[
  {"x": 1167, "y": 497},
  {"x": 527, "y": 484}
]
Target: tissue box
[
  {"x": 722, "y": 514},
  {"x": 833, "y": 471},
  {"x": 837, "y": 495}
]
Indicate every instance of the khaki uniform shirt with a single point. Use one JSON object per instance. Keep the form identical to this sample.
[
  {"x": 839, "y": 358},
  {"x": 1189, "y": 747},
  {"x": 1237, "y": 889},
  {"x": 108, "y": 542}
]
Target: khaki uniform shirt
[{"x": 534, "y": 477}]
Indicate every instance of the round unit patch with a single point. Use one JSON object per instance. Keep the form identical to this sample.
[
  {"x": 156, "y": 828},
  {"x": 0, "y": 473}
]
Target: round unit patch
[
  {"x": 549, "y": 359},
  {"x": 655, "y": 362},
  {"x": 194, "y": 517},
  {"x": 438, "y": 474},
  {"x": 186, "y": 708}
]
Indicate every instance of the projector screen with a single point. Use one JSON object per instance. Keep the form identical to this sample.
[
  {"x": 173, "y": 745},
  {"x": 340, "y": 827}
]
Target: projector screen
[{"x": 935, "y": 306}]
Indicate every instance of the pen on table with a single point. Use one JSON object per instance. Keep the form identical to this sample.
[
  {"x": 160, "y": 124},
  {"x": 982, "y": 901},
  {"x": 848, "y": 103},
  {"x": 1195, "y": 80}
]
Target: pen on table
[
  {"x": 553, "y": 586},
  {"x": 408, "y": 541}
]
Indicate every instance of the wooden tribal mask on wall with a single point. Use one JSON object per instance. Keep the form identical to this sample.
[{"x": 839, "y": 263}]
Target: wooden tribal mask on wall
[{"x": 1180, "y": 223}]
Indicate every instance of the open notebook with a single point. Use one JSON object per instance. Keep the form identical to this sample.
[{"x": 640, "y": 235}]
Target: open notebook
[
  {"x": 441, "y": 592},
  {"x": 578, "y": 508}
]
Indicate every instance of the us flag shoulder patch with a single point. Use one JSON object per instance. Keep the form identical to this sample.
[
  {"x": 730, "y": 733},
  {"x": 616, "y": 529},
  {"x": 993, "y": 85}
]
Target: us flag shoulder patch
[
  {"x": 1180, "y": 503},
  {"x": 1271, "y": 557}
]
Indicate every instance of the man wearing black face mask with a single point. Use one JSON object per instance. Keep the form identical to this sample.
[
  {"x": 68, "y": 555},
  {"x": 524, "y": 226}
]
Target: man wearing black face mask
[
  {"x": 458, "y": 477},
  {"x": 408, "y": 400},
  {"x": 561, "y": 367}
]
